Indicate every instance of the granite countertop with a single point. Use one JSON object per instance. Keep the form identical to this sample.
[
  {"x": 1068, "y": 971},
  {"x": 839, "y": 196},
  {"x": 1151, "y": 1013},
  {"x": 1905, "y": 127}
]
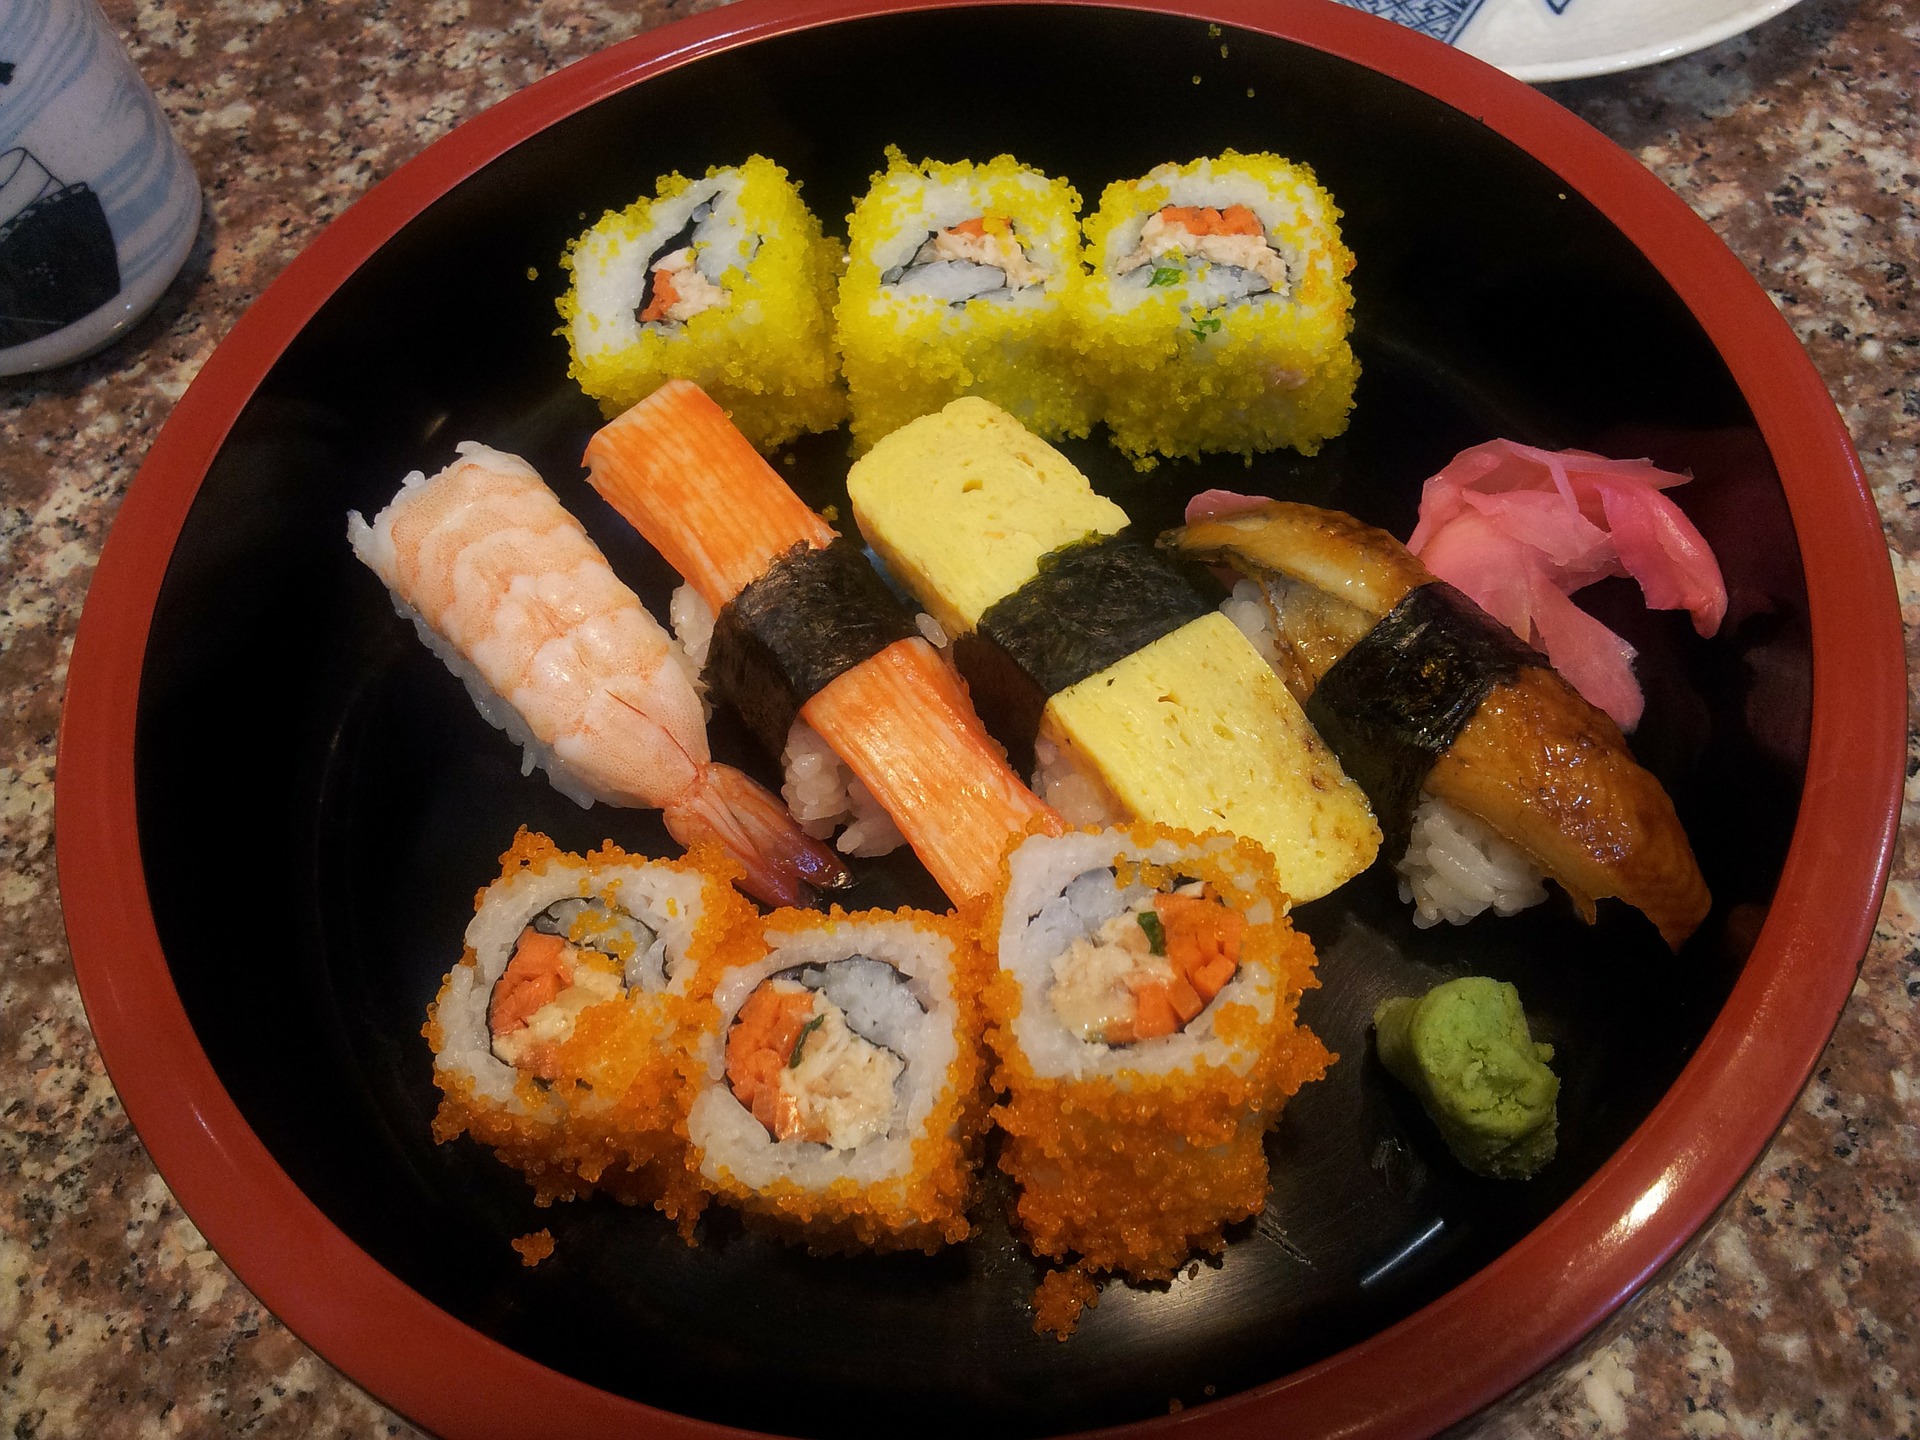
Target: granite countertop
[{"x": 1791, "y": 1315}]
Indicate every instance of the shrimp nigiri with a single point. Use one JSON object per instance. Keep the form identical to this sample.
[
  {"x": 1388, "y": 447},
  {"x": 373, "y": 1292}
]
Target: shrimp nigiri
[{"x": 503, "y": 583}]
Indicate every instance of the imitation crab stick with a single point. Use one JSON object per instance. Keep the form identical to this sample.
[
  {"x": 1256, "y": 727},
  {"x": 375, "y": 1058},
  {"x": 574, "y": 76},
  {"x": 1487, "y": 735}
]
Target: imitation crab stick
[
  {"x": 691, "y": 484},
  {"x": 680, "y": 473}
]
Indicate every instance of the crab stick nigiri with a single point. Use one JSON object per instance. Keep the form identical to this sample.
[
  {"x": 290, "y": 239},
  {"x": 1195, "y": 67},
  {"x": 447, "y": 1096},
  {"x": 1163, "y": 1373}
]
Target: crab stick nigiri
[
  {"x": 814, "y": 633},
  {"x": 505, "y": 587}
]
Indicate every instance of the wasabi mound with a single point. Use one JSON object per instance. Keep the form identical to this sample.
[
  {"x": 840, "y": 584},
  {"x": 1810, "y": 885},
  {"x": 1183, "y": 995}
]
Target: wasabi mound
[{"x": 1465, "y": 1050}]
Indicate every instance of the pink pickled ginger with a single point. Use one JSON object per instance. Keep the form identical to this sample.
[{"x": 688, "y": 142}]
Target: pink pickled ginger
[{"x": 1521, "y": 529}]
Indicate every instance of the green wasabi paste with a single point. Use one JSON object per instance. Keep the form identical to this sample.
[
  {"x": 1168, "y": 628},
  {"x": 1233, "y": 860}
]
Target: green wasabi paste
[{"x": 1464, "y": 1049}]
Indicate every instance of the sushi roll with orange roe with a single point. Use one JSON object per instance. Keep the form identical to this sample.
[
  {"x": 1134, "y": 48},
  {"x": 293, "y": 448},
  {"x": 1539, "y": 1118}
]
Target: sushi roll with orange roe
[
  {"x": 838, "y": 1093},
  {"x": 560, "y": 1039},
  {"x": 1143, "y": 1017}
]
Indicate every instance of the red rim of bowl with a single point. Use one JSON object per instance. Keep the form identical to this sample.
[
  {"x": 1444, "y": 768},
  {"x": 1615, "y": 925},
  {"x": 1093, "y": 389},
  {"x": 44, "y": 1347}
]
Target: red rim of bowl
[{"x": 1438, "y": 1365}]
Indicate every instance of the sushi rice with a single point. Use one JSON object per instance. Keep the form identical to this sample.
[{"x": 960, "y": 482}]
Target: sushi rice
[{"x": 1457, "y": 867}]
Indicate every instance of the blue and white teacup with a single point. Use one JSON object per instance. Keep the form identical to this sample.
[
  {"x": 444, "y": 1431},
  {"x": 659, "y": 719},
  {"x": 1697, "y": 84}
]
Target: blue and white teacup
[{"x": 98, "y": 205}]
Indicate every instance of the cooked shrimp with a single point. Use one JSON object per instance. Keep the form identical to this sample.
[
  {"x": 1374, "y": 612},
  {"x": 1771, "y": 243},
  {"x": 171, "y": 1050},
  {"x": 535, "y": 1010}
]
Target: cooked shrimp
[{"x": 519, "y": 602}]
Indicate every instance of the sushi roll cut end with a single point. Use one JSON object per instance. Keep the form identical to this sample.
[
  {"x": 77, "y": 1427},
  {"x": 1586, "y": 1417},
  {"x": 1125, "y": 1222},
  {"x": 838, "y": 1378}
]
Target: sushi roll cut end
[
  {"x": 1218, "y": 310},
  {"x": 961, "y": 280},
  {"x": 725, "y": 280},
  {"x": 839, "y": 1089},
  {"x": 1144, "y": 1021},
  {"x": 559, "y": 1040}
]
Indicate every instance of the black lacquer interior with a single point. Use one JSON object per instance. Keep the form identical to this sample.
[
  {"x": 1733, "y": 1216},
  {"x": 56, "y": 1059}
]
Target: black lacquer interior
[{"x": 294, "y": 733}]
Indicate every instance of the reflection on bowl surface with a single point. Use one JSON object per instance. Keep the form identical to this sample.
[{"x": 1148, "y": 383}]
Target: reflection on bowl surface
[{"x": 362, "y": 800}]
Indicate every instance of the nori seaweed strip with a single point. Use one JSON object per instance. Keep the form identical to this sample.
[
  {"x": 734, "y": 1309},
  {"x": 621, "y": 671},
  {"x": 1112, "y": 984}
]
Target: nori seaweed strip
[
  {"x": 813, "y": 615},
  {"x": 1392, "y": 705},
  {"x": 1004, "y": 696},
  {"x": 1093, "y": 603}
]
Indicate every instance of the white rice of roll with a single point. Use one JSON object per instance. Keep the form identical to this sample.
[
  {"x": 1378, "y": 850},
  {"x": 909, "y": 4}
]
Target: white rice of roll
[
  {"x": 725, "y": 280},
  {"x": 665, "y": 901},
  {"x": 611, "y": 264},
  {"x": 920, "y": 207}
]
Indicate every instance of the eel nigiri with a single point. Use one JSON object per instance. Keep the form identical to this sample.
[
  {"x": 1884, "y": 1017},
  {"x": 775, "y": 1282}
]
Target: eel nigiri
[
  {"x": 504, "y": 585},
  {"x": 814, "y": 633},
  {"x": 1417, "y": 689}
]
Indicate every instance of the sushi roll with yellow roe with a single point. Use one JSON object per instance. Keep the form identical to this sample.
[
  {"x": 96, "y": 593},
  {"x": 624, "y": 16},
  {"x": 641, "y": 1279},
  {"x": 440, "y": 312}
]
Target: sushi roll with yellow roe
[
  {"x": 726, "y": 281},
  {"x": 1143, "y": 1017},
  {"x": 1217, "y": 314},
  {"x": 839, "y": 1095},
  {"x": 560, "y": 1039},
  {"x": 962, "y": 280}
]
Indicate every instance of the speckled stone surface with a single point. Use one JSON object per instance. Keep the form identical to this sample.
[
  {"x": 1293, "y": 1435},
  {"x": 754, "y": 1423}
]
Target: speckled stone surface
[{"x": 1791, "y": 1315}]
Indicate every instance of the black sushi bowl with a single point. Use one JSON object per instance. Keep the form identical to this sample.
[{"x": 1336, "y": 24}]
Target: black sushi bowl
[{"x": 1517, "y": 277}]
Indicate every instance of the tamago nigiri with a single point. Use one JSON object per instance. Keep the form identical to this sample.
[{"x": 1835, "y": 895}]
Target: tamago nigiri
[{"x": 504, "y": 585}]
